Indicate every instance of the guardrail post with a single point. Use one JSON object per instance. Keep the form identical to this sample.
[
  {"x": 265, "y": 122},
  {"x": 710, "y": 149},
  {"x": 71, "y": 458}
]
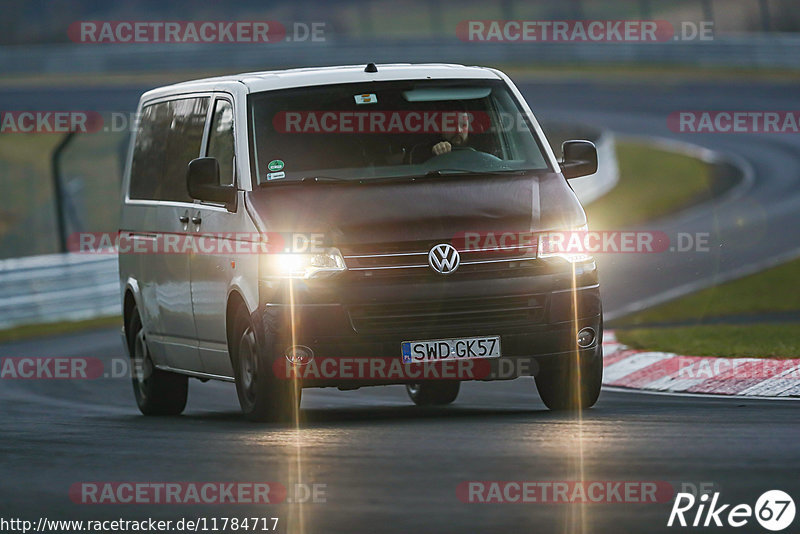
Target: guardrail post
[
  {"x": 508, "y": 9},
  {"x": 58, "y": 192},
  {"x": 644, "y": 9},
  {"x": 766, "y": 19},
  {"x": 365, "y": 18},
  {"x": 577, "y": 9},
  {"x": 708, "y": 10},
  {"x": 437, "y": 17}
]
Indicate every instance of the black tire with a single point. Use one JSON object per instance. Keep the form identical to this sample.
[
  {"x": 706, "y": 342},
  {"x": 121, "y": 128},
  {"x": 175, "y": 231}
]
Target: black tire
[
  {"x": 430, "y": 393},
  {"x": 262, "y": 396},
  {"x": 565, "y": 385},
  {"x": 157, "y": 392}
]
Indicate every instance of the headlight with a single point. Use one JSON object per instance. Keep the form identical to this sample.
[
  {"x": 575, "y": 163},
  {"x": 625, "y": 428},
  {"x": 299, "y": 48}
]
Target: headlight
[
  {"x": 303, "y": 266},
  {"x": 566, "y": 244}
]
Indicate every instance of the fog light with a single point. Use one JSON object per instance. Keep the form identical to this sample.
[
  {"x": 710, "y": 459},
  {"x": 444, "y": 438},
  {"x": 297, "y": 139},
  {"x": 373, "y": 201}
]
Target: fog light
[
  {"x": 586, "y": 337},
  {"x": 299, "y": 355}
]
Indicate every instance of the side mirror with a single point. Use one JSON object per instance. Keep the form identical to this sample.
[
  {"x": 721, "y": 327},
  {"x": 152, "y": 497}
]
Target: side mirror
[
  {"x": 580, "y": 159},
  {"x": 202, "y": 181}
]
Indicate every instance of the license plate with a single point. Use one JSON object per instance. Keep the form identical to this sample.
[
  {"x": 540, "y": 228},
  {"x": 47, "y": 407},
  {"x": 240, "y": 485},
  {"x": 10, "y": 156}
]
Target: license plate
[{"x": 435, "y": 350}]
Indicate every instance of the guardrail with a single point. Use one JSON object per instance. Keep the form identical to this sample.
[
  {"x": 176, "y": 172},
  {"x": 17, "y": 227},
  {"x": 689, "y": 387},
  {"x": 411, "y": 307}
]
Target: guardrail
[
  {"x": 58, "y": 287},
  {"x": 760, "y": 50},
  {"x": 71, "y": 287}
]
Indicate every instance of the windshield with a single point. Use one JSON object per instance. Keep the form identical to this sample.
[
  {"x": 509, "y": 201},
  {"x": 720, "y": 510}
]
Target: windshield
[{"x": 377, "y": 130}]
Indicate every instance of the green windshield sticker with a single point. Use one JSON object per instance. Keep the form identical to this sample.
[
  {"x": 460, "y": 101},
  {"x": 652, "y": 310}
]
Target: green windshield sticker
[{"x": 275, "y": 165}]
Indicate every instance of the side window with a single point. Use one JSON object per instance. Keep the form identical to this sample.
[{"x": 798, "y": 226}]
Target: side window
[
  {"x": 220, "y": 140},
  {"x": 148, "y": 152},
  {"x": 169, "y": 137},
  {"x": 183, "y": 145}
]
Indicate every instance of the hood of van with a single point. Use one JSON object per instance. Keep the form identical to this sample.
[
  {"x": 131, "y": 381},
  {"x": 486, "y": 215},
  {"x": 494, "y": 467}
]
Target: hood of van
[{"x": 429, "y": 209}]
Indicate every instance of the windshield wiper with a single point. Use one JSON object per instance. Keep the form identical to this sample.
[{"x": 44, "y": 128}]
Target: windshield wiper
[
  {"x": 318, "y": 179},
  {"x": 321, "y": 179},
  {"x": 309, "y": 180},
  {"x": 470, "y": 172}
]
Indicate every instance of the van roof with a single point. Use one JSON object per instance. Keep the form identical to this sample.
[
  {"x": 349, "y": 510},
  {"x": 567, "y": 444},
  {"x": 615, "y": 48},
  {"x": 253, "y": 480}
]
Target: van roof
[{"x": 301, "y": 77}]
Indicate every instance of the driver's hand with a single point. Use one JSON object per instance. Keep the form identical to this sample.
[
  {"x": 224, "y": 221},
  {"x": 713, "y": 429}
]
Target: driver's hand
[{"x": 442, "y": 148}]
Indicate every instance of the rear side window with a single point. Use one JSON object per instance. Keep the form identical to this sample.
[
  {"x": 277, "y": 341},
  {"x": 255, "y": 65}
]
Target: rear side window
[{"x": 169, "y": 137}]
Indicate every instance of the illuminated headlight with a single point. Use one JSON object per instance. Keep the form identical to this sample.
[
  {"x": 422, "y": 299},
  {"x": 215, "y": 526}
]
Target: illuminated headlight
[
  {"x": 569, "y": 245},
  {"x": 303, "y": 266}
]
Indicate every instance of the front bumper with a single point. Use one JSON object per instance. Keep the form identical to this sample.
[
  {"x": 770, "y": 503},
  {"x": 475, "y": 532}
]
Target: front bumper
[{"x": 536, "y": 317}]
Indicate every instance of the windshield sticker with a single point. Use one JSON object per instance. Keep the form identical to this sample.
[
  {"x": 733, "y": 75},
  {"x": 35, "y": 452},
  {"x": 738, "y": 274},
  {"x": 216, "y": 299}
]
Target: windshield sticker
[
  {"x": 275, "y": 175},
  {"x": 366, "y": 98},
  {"x": 275, "y": 165}
]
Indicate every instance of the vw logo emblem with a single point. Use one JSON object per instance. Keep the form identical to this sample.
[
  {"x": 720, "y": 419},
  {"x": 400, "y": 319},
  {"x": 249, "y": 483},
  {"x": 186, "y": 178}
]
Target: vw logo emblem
[{"x": 444, "y": 258}]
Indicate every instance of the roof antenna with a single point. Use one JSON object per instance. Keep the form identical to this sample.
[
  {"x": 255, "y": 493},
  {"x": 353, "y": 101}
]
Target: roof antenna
[{"x": 370, "y": 68}]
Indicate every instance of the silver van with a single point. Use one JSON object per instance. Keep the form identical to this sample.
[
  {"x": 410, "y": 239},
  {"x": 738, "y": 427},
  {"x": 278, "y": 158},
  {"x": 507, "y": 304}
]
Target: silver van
[{"x": 353, "y": 226}]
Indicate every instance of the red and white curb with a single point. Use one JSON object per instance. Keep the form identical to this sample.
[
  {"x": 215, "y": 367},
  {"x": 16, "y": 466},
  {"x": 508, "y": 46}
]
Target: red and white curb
[{"x": 669, "y": 372}]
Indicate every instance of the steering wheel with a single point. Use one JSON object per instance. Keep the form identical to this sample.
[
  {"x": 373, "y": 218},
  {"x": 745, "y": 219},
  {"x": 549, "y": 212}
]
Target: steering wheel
[{"x": 464, "y": 157}]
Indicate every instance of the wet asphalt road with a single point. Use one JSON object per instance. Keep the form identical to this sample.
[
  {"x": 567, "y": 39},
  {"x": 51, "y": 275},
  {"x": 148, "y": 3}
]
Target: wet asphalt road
[{"x": 384, "y": 462}]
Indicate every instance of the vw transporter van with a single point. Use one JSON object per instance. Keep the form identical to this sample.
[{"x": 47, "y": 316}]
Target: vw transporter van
[{"x": 353, "y": 226}]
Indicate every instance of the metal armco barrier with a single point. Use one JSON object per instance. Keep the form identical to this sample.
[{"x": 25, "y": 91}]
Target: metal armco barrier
[
  {"x": 58, "y": 287},
  {"x": 773, "y": 50}
]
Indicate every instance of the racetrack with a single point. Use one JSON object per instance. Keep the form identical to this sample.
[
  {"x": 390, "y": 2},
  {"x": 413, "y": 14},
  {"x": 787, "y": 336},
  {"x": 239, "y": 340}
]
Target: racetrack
[{"x": 389, "y": 466}]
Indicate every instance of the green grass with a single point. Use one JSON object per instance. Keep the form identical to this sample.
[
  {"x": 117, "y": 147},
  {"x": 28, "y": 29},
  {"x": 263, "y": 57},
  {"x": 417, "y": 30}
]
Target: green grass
[
  {"x": 52, "y": 329},
  {"x": 772, "y": 290},
  {"x": 27, "y": 207},
  {"x": 653, "y": 182},
  {"x": 91, "y": 164},
  {"x": 643, "y": 175},
  {"x": 727, "y": 341},
  {"x": 764, "y": 292}
]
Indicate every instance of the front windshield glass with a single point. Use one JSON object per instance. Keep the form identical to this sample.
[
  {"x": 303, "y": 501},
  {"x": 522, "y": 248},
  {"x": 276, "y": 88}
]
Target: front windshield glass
[{"x": 377, "y": 130}]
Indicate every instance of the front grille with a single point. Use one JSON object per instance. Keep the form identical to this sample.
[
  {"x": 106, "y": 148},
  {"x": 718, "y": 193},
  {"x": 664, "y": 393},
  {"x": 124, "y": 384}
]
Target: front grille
[
  {"x": 422, "y": 315},
  {"x": 403, "y": 260}
]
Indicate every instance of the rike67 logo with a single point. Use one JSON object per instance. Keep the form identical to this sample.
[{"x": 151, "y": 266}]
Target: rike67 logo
[{"x": 774, "y": 510}]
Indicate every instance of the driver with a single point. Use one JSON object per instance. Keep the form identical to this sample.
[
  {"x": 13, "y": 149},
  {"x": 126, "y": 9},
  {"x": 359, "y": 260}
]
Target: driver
[
  {"x": 453, "y": 137},
  {"x": 458, "y": 137}
]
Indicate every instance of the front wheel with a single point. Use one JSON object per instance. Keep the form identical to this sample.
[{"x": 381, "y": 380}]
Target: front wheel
[
  {"x": 157, "y": 392},
  {"x": 428, "y": 393},
  {"x": 571, "y": 383},
  {"x": 262, "y": 395}
]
